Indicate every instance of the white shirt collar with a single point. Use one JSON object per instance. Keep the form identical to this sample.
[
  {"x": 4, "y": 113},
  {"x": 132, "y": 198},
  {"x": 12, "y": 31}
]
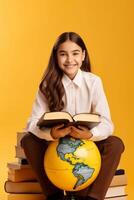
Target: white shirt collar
[{"x": 77, "y": 79}]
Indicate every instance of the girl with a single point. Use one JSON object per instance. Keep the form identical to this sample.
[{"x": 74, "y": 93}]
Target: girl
[{"x": 68, "y": 85}]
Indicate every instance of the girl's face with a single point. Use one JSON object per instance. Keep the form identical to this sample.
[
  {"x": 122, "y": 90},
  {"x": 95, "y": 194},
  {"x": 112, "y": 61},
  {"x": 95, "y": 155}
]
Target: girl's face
[{"x": 70, "y": 57}]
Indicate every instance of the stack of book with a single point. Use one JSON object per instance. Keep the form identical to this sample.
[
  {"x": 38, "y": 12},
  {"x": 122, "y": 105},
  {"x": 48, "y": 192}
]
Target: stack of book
[{"x": 22, "y": 183}]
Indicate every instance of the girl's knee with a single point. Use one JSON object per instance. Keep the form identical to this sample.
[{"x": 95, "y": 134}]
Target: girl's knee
[
  {"x": 117, "y": 143},
  {"x": 26, "y": 139}
]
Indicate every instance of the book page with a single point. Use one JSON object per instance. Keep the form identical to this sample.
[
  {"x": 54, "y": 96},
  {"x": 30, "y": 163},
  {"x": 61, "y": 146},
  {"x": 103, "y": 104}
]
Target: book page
[
  {"x": 58, "y": 115},
  {"x": 87, "y": 117}
]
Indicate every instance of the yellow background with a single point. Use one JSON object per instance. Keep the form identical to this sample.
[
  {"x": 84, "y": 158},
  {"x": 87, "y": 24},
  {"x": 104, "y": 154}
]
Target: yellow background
[{"x": 28, "y": 29}]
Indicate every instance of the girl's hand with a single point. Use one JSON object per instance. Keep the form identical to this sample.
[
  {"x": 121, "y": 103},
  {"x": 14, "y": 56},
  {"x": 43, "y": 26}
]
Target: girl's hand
[
  {"x": 81, "y": 132},
  {"x": 58, "y": 131}
]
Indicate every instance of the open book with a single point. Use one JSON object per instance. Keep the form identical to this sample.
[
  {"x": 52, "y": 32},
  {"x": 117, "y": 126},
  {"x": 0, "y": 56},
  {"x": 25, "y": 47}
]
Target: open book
[{"x": 50, "y": 119}]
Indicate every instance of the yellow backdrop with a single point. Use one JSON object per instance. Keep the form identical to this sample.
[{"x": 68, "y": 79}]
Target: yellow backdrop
[{"x": 28, "y": 31}]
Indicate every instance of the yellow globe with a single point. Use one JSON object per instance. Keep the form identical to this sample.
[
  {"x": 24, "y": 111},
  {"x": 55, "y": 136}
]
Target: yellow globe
[{"x": 72, "y": 164}]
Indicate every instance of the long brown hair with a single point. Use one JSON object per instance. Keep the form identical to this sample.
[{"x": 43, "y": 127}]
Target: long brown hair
[{"x": 51, "y": 85}]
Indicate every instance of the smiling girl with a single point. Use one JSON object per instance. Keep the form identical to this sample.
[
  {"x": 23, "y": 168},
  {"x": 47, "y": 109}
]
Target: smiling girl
[{"x": 68, "y": 85}]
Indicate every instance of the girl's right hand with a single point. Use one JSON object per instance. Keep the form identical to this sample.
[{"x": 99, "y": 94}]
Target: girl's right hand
[{"x": 58, "y": 132}]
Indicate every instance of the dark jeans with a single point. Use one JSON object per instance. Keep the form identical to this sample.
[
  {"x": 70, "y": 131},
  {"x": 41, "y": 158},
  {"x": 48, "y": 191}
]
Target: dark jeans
[{"x": 110, "y": 150}]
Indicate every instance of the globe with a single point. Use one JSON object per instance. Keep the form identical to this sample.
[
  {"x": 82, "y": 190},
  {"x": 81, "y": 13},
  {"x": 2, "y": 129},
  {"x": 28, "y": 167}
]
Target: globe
[{"x": 72, "y": 164}]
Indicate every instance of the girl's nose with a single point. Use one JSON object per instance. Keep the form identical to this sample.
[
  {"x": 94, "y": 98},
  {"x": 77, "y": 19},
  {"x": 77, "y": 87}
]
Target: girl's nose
[{"x": 69, "y": 58}]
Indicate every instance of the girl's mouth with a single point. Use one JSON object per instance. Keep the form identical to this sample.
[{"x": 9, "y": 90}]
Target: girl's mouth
[{"x": 70, "y": 65}]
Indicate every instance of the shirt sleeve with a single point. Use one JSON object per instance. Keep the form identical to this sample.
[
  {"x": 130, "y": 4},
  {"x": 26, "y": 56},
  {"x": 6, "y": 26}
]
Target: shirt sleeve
[
  {"x": 39, "y": 107},
  {"x": 100, "y": 106}
]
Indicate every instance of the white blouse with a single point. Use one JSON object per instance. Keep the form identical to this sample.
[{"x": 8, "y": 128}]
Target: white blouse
[{"x": 82, "y": 94}]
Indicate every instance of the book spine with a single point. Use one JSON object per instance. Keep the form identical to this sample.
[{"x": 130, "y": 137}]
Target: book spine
[{"x": 19, "y": 152}]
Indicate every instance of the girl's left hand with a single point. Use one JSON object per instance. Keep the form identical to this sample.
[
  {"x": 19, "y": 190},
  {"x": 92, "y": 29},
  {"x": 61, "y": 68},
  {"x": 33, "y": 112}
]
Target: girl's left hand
[{"x": 81, "y": 132}]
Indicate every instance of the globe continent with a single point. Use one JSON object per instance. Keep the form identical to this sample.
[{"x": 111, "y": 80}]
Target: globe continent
[{"x": 72, "y": 164}]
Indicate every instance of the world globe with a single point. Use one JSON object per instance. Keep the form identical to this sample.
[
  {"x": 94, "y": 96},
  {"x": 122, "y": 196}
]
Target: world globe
[{"x": 72, "y": 164}]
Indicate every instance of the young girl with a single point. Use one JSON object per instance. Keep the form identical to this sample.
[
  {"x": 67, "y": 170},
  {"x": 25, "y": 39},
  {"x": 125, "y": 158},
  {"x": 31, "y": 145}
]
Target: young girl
[{"x": 68, "y": 85}]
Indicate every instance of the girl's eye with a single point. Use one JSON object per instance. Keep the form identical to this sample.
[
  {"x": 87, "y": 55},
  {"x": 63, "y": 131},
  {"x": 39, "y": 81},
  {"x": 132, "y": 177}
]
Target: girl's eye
[
  {"x": 62, "y": 54},
  {"x": 75, "y": 54}
]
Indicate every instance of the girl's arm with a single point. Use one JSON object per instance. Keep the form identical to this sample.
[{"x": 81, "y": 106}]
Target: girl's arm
[
  {"x": 100, "y": 106},
  {"x": 39, "y": 107}
]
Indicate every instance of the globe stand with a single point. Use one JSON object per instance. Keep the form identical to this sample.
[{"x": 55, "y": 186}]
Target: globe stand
[{"x": 70, "y": 196}]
